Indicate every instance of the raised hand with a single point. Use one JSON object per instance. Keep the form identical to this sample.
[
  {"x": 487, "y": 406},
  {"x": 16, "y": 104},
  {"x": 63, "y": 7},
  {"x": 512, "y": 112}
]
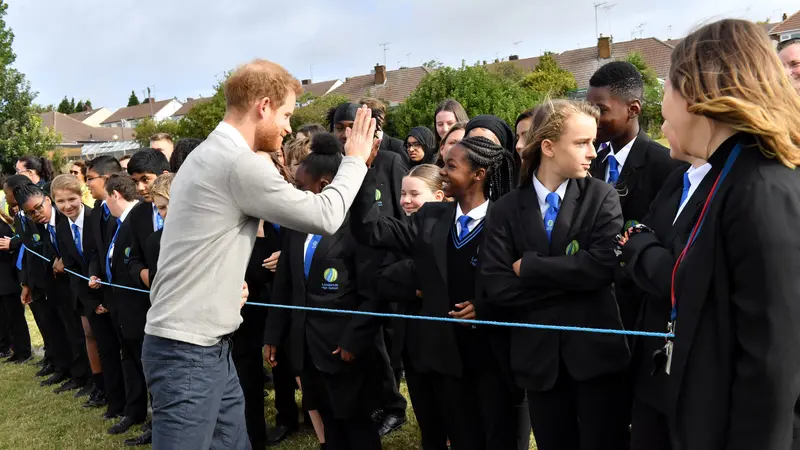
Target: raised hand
[{"x": 360, "y": 136}]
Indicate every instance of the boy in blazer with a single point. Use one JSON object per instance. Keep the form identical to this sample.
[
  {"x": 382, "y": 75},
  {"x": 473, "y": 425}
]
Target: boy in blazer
[
  {"x": 144, "y": 167},
  {"x": 46, "y": 281},
  {"x": 12, "y": 308},
  {"x": 129, "y": 308},
  {"x": 336, "y": 355},
  {"x": 627, "y": 158}
]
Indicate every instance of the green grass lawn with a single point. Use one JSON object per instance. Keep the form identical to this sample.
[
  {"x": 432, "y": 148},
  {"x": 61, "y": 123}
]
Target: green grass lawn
[{"x": 32, "y": 417}]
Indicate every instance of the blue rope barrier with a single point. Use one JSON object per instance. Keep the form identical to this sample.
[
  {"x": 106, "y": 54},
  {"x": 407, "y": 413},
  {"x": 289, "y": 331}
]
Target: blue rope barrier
[{"x": 406, "y": 316}]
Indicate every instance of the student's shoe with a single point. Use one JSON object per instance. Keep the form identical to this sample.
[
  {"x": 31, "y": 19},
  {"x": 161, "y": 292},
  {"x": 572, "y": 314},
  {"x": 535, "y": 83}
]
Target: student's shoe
[
  {"x": 71, "y": 385},
  {"x": 46, "y": 370},
  {"x": 23, "y": 360},
  {"x": 85, "y": 390},
  {"x": 123, "y": 425},
  {"x": 279, "y": 434},
  {"x": 112, "y": 415},
  {"x": 6, "y": 353},
  {"x": 58, "y": 377},
  {"x": 391, "y": 423},
  {"x": 96, "y": 399},
  {"x": 143, "y": 439}
]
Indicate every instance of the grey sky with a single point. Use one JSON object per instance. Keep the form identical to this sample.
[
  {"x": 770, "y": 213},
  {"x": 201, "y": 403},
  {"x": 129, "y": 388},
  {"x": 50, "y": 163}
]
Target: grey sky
[{"x": 103, "y": 49}]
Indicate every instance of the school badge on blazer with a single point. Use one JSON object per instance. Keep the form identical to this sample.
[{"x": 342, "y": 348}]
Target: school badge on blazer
[
  {"x": 573, "y": 248},
  {"x": 631, "y": 223},
  {"x": 127, "y": 254},
  {"x": 36, "y": 238},
  {"x": 378, "y": 197},
  {"x": 330, "y": 275}
]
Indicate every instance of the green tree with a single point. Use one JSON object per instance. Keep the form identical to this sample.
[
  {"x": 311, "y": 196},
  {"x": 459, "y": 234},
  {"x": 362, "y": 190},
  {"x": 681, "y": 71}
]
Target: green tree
[
  {"x": 59, "y": 159},
  {"x": 146, "y": 101},
  {"x": 317, "y": 110},
  {"x": 79, "y": 107},
  {"x": 7, "y": 55},
  {"x": 433, "y": 64},
  {"x": 64, "y": 107},
  {"x": 40, "y": 109},
  {"x": 650, "y": 118},
  {"x": 201, "y": 120},
  {"x": 72, "y": 105},
  {"x": 148, "y": 127},
  {"x": 478, "y": 89},
  {"x": 550, "y": 79},
  {"x": 87, "y": 105},
  {"x": 133, "y": 100},
  {"x": 507, "y": 70}
]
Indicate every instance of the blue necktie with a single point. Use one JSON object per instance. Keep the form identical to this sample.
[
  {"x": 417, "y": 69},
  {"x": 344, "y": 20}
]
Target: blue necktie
[
  {"x": 312, "y": 247},
  {"x": 686, "y": 186},
  {"x": 159, "y": 219},
  {"x": 76, "y": 234},
  {"x": 106, "y": 212},
  {"x": 277, "y": 227},
  {"x": 20, "y": 255},
  {"x": 463, "y": 221},
  {"x": 613, "y": 170},
  {"x": 110, "y": 249},
  {"x": 52, "y": 231},
  {"x": 550, "y": 215}
]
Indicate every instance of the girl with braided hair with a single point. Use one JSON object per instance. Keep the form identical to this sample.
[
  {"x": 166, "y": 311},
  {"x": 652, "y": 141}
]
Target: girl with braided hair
[
  {"x": 549, "y": 258},
  {"x": 459, "y": 384}
]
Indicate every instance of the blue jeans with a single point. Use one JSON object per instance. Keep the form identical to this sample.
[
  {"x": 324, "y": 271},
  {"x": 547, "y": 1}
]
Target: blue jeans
[{"x": 197, "y": 400}]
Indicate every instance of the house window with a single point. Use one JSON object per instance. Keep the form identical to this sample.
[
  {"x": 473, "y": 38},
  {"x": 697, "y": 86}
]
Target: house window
[{"x": 792, "y": 35}]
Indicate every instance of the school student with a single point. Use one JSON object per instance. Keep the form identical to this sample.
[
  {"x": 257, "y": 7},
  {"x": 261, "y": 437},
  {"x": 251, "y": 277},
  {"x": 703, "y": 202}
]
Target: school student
[
  {"x": 10, "y": 306},
  {"x": 128, "y": 307},
  {"x": 627, "y": 158},
  {"x": 496, "y": 130},
  {"x": 649, "y": 259},
  {"x": 144, "y": 167},
  {"x": 183, "y": 147},
  {"x": 549, "y": 259},
  {"x": 66, "y": 192},
  {"x": 448, "y": 113},
  {"x": 521, "y": 127},
  {"x": 160, "y": 194},
  {"x": 40, "y": 310},
  {"x": 37, "y": 168},
  {"x": 735, "y": 363},
  {"x": 105, "y": 326},
  {"x": 461, "y": 378},
  {"x": 453, "y": 137},
  {"x": 45, "y": 281},
  {"x": 388, "y": 143},
  {"x": 390, "y": 170},
  {"x": 421, "y": 146},
  {"x": 336, "y": 355}
]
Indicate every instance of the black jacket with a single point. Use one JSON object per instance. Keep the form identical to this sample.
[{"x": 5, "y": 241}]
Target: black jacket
[
  {"x": 334, "y": 281},
  {"x": 90, "y": 298},
  {"x": 555, "y": 286},
  {"x": 38, "y": 273},
  {"x": 129, "y": 307},
  {"x": 101, "y": 231},
  {"x": 394, "y": 145},
  {"x": 390, "y": 170},
  {"x": 151, "y": 251},
  {"x": 735, "y": 375},
  {"x": 141, "y": 221},
  {"x": 9, "y": 278}
]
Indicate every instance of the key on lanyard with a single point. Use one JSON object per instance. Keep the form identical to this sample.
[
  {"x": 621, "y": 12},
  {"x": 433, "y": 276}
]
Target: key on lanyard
[{"x": 668, "y": 347}]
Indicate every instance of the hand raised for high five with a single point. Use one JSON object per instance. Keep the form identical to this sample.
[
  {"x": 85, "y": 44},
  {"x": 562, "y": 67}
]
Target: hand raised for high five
[{"x": 360, "y": 137}]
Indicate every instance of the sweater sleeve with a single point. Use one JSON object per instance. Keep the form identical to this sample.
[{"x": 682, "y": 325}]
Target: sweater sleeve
[{"x": 260, "y": 191}]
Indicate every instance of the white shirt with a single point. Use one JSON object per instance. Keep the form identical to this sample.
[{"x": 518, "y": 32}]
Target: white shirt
[
  {"x": 621, "y": 156},
  {"x": 696, "y": 175},
  {"x": 305, "y": 246},
  {"x": 52, "y": 224},
  {"x": 121, "y": 219},
  {"x": 79, "y": 222},
  {"x": 477, "y": 214},
  {"x": 231, "y": 132},
  {"x": 541, "y": 194}
]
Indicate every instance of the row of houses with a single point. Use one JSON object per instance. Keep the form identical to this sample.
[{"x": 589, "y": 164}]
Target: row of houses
[{"x": 103, "y": 131}]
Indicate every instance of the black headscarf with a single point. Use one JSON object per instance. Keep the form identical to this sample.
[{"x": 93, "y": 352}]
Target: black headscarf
[
  {"x": 500, "y": 129},
  {"x": 424, "y": 136}
]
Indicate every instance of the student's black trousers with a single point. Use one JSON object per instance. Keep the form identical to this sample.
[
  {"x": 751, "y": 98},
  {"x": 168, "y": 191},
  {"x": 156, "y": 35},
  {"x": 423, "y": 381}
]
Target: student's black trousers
[
  {"x": 14, "y": 312},
  {"x": 70, "y": 322},
  {"x": 109, "y": 349}
]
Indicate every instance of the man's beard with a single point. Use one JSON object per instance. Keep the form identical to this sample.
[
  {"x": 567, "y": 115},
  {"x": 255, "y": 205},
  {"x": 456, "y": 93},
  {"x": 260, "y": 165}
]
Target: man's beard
[{"x": 268, "y": 138}]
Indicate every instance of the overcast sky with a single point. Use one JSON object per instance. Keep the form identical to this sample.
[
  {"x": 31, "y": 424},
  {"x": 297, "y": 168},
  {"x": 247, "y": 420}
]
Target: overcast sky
[{"x": 103, "y": 49}]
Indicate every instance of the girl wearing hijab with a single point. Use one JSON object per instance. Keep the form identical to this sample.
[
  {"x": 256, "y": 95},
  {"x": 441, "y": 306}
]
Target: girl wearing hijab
[
  {"x": 421, "y": 146},
  {"x": 734, "y": 364}
]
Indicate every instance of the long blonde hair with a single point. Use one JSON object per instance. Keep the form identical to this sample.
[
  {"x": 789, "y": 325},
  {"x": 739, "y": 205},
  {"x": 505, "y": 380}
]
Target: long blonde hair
[
  {"x": 549, "y": 122},
  {"x": 728, "y": 71},
  {"x": 162, "y": 185},
  {"x": 428, "y": 173}
]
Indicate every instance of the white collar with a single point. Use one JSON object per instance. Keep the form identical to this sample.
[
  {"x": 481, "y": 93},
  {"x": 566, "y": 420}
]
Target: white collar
[
  {"x": 696, "y": 174},
  {"x": 621, "y": 155},
  {"x": 542, "y": 192},
  {"x": 477, "y": 213},
  {"x": 127, "y": 211},
  {"x": 53, "y": 214},
  {"x": 79, "y": 220},
  {"x": 231, "y": 132}
]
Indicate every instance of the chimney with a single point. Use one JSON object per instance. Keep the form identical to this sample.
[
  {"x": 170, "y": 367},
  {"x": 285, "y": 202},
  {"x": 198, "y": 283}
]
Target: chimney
[
  {"x": 604, "y": 47},
  {"x": 380, "y": 74},
  {"x": 513, "y": 58},
  {"x": 306, "y": 82},
  {"x": 785, "y": 16}
]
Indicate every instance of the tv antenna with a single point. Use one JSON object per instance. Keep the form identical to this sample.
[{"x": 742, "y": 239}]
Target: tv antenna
[{"x": 385, "y": 46}]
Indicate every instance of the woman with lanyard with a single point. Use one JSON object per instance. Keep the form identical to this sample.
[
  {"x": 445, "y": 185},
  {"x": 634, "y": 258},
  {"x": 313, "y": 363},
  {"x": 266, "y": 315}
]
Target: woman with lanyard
[{"x": 734, "y": 364}]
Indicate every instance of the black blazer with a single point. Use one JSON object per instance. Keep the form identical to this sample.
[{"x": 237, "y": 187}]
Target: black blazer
[
  {"x": 334, "y": 281},
  {"x": 394, "y": 145},
  {"x": 397, "y": 283},
  {"x": 151, "y": 251},
  {"x": 129, "y": 307},
  {"x": 9, "y": 279},
  {"x": 554, "y": 286},
  {"x": 390, "y": 170},
  {"x": 735, "y": 375},
  {"x": 90, "y": 298},
  {"x": 648, "y": 259},
  {"x": 102, "y": 230},
  {"x": 38, "y": 272},
  {"x": 432, "y": 346},
  {"x": 141, "y": 218}
]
